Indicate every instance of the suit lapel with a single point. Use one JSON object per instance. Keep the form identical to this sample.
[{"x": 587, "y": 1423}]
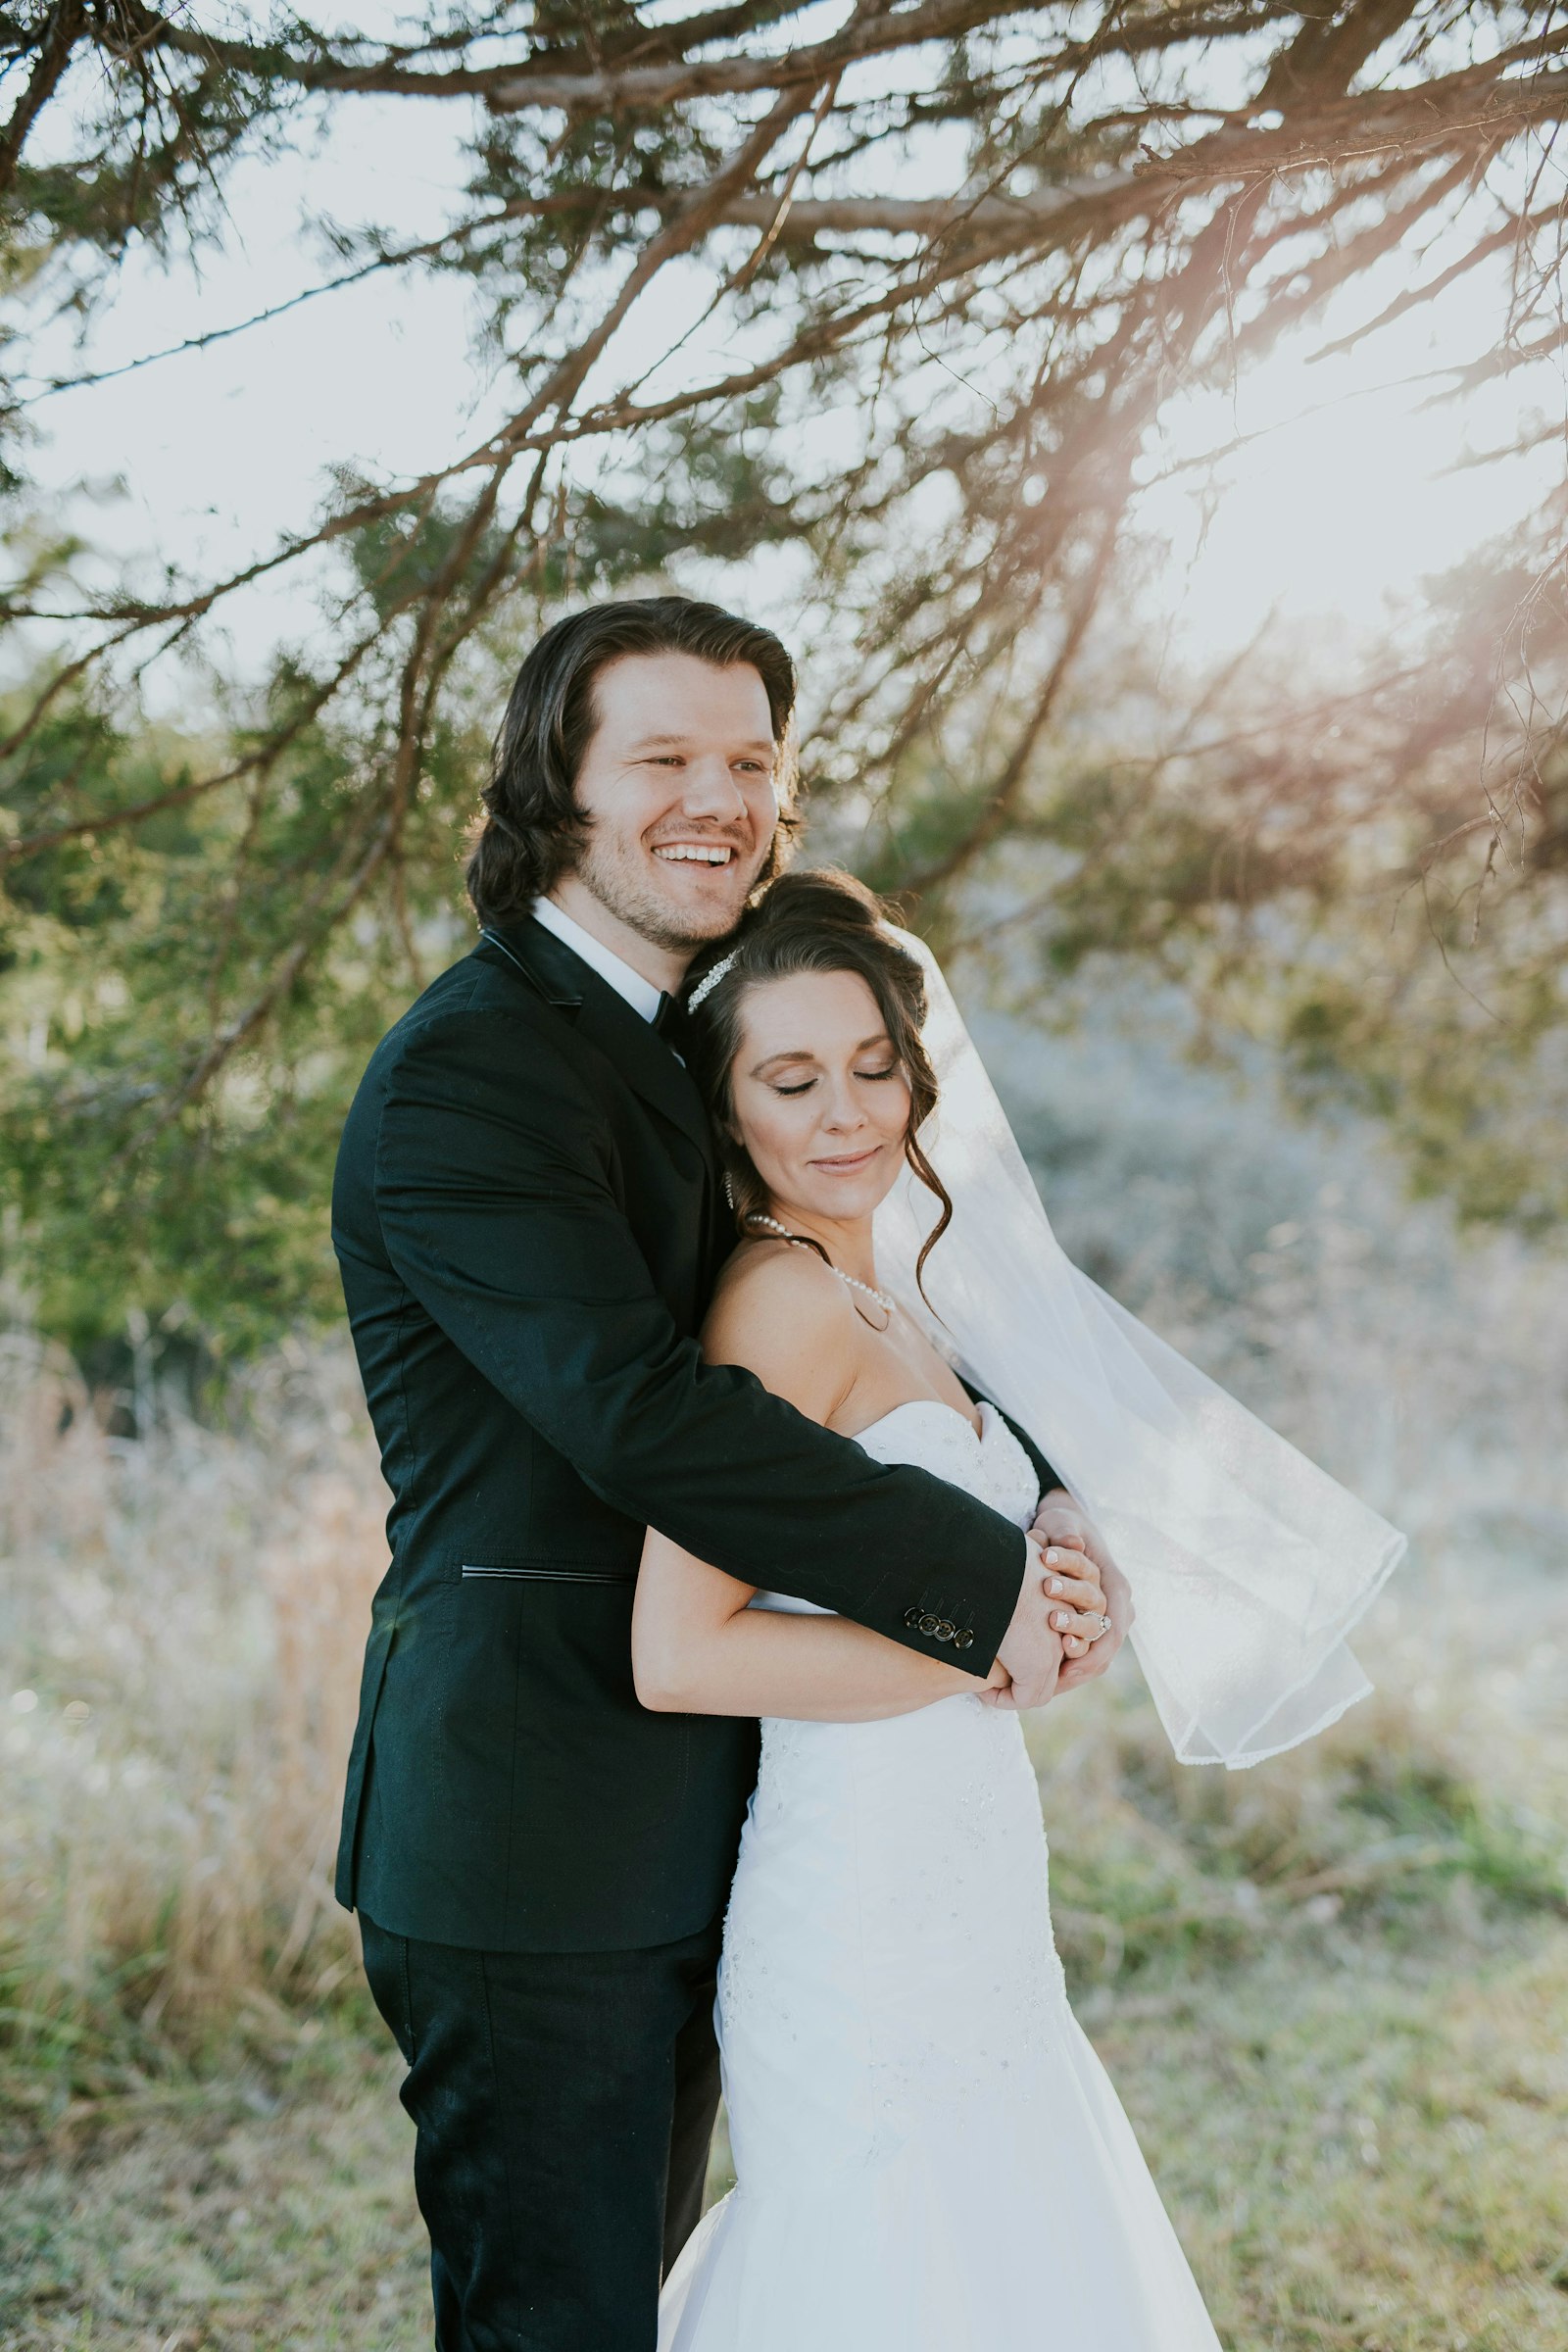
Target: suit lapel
[
  {"x": 605, "y": 1018},
  {"x": 643, "y": 1059}
]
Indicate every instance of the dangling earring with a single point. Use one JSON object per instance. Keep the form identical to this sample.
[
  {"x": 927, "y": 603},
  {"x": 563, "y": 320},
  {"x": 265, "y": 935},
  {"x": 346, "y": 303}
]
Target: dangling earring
[{"x": 729, "y": 1191}]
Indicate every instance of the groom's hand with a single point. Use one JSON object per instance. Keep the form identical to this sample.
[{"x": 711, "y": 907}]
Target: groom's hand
[
  {"x": 1060, "y": 1525},
  {"x": 1030, "y": 1655}
]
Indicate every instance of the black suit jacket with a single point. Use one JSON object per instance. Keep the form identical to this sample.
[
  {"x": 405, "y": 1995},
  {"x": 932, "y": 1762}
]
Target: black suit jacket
[{"x": 528, "y": 1221}]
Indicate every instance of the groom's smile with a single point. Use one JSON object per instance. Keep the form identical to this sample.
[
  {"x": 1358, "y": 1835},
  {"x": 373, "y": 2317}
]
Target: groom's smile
[
  {"x": 678, "y": 853},
  {"x": 677, "y": 783}
]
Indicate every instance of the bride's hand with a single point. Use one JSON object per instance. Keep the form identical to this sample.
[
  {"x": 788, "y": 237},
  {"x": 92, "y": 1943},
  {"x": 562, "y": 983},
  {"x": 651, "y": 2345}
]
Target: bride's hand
[
  {"x": 1061, "y": 1524},
  {"x": 1078, "y": 1611},
  {"x": 1030, "y": 1650}
]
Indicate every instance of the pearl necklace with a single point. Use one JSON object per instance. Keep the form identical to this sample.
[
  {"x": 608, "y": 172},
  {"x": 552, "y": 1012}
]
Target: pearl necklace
[{"x": 758, "y": 1217}]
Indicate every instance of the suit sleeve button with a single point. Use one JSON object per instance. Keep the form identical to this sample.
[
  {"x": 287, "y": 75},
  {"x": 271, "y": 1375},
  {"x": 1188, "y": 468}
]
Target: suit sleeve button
[
  {"x": 944, "y": 1630},
  {"x": 928, "y": 1624},
  {"x": 911, "y": 1618},
  {"x": 964, "y": 1638}
]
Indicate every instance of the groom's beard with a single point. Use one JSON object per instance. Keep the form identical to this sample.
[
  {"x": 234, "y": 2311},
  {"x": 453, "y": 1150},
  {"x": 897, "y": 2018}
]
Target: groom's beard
[{"x": 634, "y": 899}]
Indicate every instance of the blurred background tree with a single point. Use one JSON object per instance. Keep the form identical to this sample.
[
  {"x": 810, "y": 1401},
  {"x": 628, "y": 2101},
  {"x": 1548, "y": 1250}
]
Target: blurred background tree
[
  {"x": 875, "y": 321},
  {"x": 1147, "y": 423}
]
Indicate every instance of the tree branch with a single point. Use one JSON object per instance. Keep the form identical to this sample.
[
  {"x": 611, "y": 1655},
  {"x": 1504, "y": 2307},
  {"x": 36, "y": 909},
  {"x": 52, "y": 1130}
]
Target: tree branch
[{"x": 62, "y": 30}]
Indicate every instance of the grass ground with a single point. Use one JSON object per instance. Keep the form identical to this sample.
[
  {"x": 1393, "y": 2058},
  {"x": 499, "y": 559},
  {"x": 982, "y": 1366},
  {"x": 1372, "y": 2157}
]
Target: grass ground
[
  {"x": 1361, "y": 2148},
  {"x": 1363, "y": 2154}
]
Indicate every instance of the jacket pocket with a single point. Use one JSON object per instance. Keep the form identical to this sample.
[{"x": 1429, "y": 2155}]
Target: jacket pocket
[{"x": 549, "y": 1572}]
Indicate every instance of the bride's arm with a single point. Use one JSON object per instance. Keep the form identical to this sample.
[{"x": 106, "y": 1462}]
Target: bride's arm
[{"x": 696, "y": 1648}]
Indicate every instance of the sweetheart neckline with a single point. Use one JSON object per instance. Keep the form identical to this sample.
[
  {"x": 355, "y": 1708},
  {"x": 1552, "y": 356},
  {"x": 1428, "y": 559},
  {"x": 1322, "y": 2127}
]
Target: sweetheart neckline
[{"x": 930, "y": 1404}]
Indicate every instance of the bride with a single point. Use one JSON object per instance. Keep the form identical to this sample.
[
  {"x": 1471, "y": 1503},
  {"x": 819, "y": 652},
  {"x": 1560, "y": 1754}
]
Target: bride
[{"x": 929, "y": 2156}]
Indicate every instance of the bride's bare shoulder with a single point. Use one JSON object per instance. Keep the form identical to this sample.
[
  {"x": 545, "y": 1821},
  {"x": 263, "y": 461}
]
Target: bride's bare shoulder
[{"x": 783, "y": 1313}]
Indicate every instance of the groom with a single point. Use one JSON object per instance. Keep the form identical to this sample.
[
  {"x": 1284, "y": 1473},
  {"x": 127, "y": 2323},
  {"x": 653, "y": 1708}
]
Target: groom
[{"x": 529, "y": 1222}]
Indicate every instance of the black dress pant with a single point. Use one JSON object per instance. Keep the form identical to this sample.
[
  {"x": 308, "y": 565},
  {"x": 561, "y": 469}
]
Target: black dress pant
[{"x": 563, "y": 2102}]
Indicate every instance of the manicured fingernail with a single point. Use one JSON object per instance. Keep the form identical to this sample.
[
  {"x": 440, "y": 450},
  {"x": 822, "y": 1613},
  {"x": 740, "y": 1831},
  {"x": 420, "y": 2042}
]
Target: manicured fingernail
[
  {"x": 1051, "y": 1558},
  {"x": 1052, "y": 1584},
  {"x": 1059, "y": 1619}
]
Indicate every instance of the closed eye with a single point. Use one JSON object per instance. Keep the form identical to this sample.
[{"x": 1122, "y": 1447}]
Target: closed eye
[{"x": 805, "y": 1084}]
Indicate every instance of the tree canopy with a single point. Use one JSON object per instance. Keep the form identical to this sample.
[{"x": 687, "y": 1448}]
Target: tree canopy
[{"x": 957, "y": 258}]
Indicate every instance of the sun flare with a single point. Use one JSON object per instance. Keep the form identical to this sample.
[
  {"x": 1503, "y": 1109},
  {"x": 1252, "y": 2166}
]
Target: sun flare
[{"x": 1325, "y": 491}]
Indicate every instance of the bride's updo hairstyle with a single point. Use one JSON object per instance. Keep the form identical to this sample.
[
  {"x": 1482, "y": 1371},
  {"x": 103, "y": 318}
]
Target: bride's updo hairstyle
[{"x": 818, "y": 919}]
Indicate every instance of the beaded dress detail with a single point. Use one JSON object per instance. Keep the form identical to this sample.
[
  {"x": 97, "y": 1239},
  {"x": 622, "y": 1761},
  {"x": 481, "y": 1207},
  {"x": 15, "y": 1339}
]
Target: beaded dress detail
[{"x": 929, "y": 2156}]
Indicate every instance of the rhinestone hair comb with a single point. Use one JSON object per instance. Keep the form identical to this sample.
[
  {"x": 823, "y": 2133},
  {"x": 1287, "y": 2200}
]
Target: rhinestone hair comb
[{"x": 710, "y": 980}]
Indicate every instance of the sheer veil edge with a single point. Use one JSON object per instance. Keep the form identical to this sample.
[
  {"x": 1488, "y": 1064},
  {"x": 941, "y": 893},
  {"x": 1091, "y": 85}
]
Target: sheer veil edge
[{"x": 1249, "y": 1565}]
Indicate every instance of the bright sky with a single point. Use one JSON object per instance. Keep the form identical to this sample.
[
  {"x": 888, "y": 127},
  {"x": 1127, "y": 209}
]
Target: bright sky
[
  {"x": 210, "y": 455},
  {"x": 1354, "y": 481},
  {"x": 1350, "y": 487}
]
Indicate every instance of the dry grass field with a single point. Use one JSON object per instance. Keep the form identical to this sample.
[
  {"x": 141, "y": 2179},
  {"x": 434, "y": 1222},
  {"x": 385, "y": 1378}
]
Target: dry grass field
[
  {"x": 1333, "y": 1991},
  {"x": 1359, "y": 2151}
]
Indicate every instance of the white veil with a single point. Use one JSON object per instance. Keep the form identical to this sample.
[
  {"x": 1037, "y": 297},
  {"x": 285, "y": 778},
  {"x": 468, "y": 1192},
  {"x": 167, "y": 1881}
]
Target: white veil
[{"x": 1248, "y": 1564}]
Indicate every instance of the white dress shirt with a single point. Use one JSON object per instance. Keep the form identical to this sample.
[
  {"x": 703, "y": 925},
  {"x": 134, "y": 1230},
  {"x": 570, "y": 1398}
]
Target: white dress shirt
[{"x": 640, "y": 994}]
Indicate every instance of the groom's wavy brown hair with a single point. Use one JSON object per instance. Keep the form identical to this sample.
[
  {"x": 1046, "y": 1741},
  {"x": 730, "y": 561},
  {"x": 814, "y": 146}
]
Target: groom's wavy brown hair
[
  {"x": 532, "y": 830},
  {"x": 819, "y": 919}
]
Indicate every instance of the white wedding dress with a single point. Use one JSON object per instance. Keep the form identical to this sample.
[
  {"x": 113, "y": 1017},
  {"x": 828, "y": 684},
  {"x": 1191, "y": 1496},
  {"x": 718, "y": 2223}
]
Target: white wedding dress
[{"x": 929, "y": 2156}]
